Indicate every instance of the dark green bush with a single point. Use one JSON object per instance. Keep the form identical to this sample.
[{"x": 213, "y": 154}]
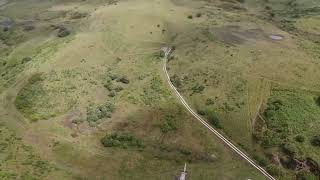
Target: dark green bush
[
  {"x": 169, "y": 124},
  {"x": 95, "y": 113},
  {"x": 198, "y": 88},
  {"x": 122, "y": 140},
  {"x": 300, "y": 138},
  {"x": 289, "y": 149},
  {"x": 316, "y": 140},
  {"x": 201, "y": 112},
  {"x": 212, "y": 118},
  {"x": 318, "y": 100},
  {"x": 261, "y": 160},
  {"x": 190, "y": 16},
  {"x": 274, "y": 170}
]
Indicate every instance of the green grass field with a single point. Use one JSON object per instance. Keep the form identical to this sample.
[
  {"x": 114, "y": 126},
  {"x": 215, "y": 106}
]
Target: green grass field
[{"x": 83, "y": 95}]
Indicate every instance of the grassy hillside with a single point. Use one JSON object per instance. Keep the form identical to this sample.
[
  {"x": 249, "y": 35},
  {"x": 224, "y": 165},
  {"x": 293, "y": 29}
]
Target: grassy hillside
[
  {"x": 83, "y": 95},
  {"x": 83, "y": 90},
  {"x": 233, "y": 72}
]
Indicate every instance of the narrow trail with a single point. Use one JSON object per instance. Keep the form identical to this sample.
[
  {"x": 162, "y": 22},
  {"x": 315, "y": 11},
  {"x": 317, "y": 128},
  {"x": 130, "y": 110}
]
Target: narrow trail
[{"x": 167, "y": 52}]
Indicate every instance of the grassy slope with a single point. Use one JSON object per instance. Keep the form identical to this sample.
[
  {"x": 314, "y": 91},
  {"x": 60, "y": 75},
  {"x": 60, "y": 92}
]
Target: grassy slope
[
  {"x": 114, "y": 40},
  {"x": 232, "y": 56}
]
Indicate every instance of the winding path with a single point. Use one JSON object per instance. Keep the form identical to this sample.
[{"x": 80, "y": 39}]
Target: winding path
[{"x": 167, "y": 52}]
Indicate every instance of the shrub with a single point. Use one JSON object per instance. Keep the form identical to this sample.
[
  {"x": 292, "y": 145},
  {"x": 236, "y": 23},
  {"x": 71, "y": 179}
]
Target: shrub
[
  {"x": 201, "y": 112},
  {"x": 112, "y": 94},
  {"x": 26, "y": 59},
  {"x": 209, "y": 101},
  {"x": 63, "y": 32},
  {"x": 162, "y": 54},
  {"x": 108, "y": 85},
  {"x": 118, "y": 88},
  {"x": 261, "y": 160},
  {"x": 300, "y": 138},
  {"x": 124, "y": 80},
  {"x": 35, "y": 78},
  {"x": 190, "y": 16},
  {"x": 169, "y": 124},
  {"x": 122, "y": 140},
  {"x": 316, "y": 140},
  {"x": 77, "y": 121},
  {"x": 95, "y": 113},
  {"x": 274, "y": 170},
  {"x": 113, "y": 76},
  {"x": 211, "y": 116},
  {"x": 318, "y": 101},
  {"x": 198, "y": 15},
  {"x": 78, "y": 15},
  {"x": 289, "y": 149},
  {"x": 197, "y": 88},
  {"x": 176, "y": 81}
]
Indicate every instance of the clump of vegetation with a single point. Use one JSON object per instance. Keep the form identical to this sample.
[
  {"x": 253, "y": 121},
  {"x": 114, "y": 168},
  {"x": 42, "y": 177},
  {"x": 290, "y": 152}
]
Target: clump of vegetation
[
  {"x": 261, "y": 160},
  {"x": 113, "y": 76},
  {"x": 209, "y": 101},
  {"x": 197, "y": 88},
  {"x": 78, "y": 15},
  {"x": 108, "y": 84},
  {"x": 122, "y": 140},
  {"x": 190, "y": 16},
  {"x": 274, "y": 170},
  {"x": 316, "y": 140},
  {"x": 124, "y": 80},
  {"x": 154, "y": 92},
  {"x": 77, "y": 121},
  {"x": 63, "y": 32},
  {"x": 300, "y": 138},
  {"x": 211, "y": 116},
  {"x": 169, "y": 124},
  {"x": 112, "y": 94},
  {"x": 176, "y": 81},
  {"x": 198, "y": 15},
  {"x": 118, "y": 88},
  {"x": 318, "y": 100},
  {"x": 289, "y": 149},
  {"x": 95, "y": 113},
  {"x": 26, "y": 59}
]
